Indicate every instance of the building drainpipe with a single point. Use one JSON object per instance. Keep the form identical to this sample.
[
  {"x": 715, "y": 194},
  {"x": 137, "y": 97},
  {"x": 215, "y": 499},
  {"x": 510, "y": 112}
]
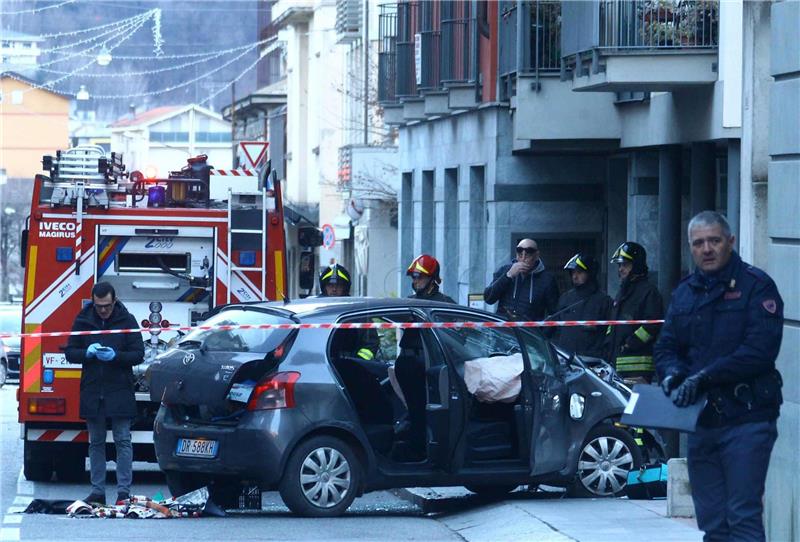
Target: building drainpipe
[
  {"x": 734, "y": 187},
  {"x": 669, "y": 218}
]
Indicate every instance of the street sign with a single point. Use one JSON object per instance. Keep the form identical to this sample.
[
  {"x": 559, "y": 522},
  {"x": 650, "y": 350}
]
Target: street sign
[
  {"x": 254, "y": 152},
  {"x": 328, "y": 236}
]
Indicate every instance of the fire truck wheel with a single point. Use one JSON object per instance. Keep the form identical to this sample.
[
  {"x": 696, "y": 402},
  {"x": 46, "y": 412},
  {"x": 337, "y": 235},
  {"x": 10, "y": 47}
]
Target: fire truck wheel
[
  {"x": 38, "y": 463},
  {"x": 70, "y": 466}
]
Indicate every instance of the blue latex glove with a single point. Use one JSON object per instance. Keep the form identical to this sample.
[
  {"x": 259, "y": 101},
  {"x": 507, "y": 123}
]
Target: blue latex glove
[
  {"x": 106, "y": 354},
  {"x": 92, "y": 350}
]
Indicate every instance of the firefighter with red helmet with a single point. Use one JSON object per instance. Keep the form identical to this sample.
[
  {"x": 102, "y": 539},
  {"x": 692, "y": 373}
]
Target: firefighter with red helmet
[
  {"x": 410, "y": 365},
  {"x": 425, "y": 280}
]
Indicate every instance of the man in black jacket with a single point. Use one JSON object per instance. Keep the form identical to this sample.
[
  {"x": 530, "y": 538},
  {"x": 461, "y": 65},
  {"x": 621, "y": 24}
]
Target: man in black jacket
[
  {"x": 630, "y": 347},
  {"x": 586, "y": 301},
  {"x": 523, "y": 289},
  {"x": 107, "y": 385}
]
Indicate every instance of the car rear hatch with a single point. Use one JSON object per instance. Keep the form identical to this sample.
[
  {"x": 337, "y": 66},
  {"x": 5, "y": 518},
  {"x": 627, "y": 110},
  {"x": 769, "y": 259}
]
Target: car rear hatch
[{"x": 212, "y": 370}]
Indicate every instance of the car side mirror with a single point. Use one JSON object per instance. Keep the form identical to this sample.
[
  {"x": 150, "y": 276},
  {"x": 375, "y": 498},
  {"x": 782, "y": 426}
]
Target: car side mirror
[{"x": 23, "y": 247}]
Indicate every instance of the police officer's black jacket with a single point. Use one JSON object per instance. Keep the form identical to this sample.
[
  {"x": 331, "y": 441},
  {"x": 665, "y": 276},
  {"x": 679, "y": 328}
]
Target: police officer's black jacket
[
  {"x": 730, "y": 326},
  {"x": 527, "y": 297},
  {"x": 637, "y": 299},
  {"x": 585, "y": 302},
  {"x": 107, "y": 387}
]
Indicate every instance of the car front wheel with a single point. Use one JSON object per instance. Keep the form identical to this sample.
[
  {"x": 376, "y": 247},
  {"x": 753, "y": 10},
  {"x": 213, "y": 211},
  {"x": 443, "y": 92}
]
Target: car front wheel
[
  {"x": 607, "y": 455},
  {"x": 321, "y": 478}
]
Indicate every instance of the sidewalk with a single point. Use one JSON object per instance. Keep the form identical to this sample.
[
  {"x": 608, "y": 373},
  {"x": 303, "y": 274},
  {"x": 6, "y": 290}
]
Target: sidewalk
[{"x": 545, "y": 517}]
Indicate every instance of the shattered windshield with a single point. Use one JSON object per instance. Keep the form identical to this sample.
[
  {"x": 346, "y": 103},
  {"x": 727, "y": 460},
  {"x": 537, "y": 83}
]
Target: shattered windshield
[{"x": 238, "y": 340}]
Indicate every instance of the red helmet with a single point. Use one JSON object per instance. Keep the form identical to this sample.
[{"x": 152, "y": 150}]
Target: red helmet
[{"x": 424, "y": 265}]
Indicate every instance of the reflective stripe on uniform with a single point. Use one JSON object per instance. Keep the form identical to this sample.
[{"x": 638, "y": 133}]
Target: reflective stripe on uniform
[
  {"x": 627, "y": 364},
  {"x": 365, "y": 353},
  {"x": 643, "y": 335}
]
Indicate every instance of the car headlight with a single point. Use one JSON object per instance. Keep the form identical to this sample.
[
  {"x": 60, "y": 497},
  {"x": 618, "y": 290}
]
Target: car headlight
[{"x": 577, "y": 403}]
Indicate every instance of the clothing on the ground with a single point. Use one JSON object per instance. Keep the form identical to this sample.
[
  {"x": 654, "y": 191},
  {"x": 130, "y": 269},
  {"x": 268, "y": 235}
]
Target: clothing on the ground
[
  {"x": 107, "y": 387},
  {"x": 584, "y": 302},
  {"x": 630, "y": 347},
  {"x": 526, "y": 297},
  {"x": 121, "y": 430}
]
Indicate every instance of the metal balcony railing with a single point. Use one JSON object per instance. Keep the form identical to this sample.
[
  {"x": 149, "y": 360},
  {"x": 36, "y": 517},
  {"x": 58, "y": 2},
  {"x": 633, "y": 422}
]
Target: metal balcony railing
[
  {"x": 408, "y": 25},
  {"x": 459, "y": 51},
  {"x": 659, "y": 24},
  {"x": 530, "y": 40},
  {"x": 387, "y": 53},
  {"x": 428, "y": 77}
]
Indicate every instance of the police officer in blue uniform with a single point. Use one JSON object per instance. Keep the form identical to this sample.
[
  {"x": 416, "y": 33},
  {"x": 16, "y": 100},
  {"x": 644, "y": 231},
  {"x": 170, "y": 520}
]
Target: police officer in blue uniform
[{"x": 721, "y": 336}]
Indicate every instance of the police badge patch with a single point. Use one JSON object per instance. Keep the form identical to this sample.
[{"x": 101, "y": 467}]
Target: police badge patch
[{"x": 770, "y": 305}]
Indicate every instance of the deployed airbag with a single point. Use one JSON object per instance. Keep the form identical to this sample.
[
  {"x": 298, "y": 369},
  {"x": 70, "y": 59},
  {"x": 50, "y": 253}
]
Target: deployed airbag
[{"x": 495, "y": 379}]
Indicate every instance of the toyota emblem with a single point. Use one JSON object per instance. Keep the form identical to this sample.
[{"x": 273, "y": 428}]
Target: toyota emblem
[{"x": 188, "y": 359}]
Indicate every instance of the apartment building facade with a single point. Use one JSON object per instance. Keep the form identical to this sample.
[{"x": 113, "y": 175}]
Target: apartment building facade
[{"x": 583, "y": 124}]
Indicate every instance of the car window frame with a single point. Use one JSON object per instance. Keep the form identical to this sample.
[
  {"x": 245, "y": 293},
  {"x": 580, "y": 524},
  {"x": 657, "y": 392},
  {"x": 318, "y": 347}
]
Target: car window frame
[
  {"x": 556, "y": 368},
  {"x": 369, "y": 313},
  {"x": 474, "y": 315}
]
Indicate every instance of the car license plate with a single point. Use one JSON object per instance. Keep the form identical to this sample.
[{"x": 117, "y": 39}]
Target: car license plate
[{"x": 192, "y": 447}]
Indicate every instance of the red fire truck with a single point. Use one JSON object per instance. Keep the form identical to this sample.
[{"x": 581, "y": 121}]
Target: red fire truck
[{"x": 173, "y": 248}]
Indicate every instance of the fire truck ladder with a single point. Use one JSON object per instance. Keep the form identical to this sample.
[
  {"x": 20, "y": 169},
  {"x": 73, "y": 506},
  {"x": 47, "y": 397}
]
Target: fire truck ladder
[
  {"x": 72, "y": 172},
  {"x": 244, "y": 211}
]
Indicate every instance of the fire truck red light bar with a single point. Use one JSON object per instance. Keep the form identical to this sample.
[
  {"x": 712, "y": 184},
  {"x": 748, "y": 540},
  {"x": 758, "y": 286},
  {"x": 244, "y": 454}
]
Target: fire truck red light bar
[{"x": 47, "y": 406}]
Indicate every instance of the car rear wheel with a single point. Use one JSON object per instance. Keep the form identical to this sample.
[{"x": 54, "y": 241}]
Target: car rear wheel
[
  {"x": 492, "y": 491},
  {"x": 3, "y": 374},
  {"x": 607, "y": 455},
  {"x": 321, "y": 478},
  {"x": 181, "y": 483}
]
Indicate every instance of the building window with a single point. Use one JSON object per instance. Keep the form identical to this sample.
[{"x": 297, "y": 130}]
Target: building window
[
  {"x": 16, "y": 97},
  {"x": 169, "y": 137}
]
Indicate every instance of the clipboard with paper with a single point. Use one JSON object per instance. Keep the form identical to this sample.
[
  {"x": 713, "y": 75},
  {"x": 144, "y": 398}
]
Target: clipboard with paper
[{"x": 649, "y": 407}]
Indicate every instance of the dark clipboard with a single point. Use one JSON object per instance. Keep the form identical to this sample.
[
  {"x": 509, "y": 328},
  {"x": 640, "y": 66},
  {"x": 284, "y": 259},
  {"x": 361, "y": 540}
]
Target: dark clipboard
[{"x": 649, "y": 407}]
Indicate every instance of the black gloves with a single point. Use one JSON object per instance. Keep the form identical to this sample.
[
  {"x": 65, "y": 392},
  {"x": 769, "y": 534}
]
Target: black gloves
[
  {"x": 689, "y": 391},
  {"x": 672, "y": 381}
]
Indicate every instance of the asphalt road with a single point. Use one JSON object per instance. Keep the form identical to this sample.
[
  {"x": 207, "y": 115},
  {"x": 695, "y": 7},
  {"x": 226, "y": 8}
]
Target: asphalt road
[{"x": 376, "y": 516}]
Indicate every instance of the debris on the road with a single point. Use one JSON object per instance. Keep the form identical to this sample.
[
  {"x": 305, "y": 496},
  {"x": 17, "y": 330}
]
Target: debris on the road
[{"x": 193, "y": 504}]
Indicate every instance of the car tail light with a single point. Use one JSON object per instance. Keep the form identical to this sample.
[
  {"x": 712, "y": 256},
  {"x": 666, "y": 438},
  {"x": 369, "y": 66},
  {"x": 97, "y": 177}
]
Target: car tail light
[
  {"x": 275, "y": 392},
  {"x": 47, "y": 406}
]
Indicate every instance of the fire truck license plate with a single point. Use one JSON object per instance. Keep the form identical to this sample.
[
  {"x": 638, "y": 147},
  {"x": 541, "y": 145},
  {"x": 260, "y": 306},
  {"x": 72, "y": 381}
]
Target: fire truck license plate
[{"x": 191, "y": 447}]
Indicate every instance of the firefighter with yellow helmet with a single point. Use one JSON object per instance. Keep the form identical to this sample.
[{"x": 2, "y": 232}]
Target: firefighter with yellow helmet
[
  {"x": 334, "y": 281},
  {"x": 630, "y": 347}
]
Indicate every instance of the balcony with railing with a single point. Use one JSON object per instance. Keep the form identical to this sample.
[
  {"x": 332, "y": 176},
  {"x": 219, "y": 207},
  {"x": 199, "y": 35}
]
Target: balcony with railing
[
  {"x": 530, "y": 41},
  {"x": 427, "y": 58},
  {"x": 640, "y": 45}
]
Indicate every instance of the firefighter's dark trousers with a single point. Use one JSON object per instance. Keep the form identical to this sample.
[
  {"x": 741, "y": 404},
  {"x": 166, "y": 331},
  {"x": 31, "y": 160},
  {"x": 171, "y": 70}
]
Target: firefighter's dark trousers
[
  {"x": 727, "y": 471},
  {"x": 121, "y": 430}
]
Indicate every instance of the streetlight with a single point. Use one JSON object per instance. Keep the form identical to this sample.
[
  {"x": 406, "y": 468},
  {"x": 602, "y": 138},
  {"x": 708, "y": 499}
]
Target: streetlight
[
  {"x": 103, "y": 57},
  {"x": 83, "y": 94}
]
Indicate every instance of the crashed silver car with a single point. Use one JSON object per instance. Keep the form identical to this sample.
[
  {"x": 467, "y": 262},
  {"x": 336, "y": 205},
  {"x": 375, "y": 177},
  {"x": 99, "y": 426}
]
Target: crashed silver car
[{"x": 298, "y": 411}]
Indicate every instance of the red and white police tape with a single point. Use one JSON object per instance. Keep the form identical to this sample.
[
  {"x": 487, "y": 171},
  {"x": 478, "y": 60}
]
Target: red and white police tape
[{"x": 345, "y": 325}]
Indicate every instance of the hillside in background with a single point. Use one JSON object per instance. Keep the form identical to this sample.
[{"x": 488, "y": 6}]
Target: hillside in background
[{"x": 187, "y": 27}]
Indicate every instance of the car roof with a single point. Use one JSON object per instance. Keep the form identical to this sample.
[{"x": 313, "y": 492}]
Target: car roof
[{"x": 313, "y": 307}]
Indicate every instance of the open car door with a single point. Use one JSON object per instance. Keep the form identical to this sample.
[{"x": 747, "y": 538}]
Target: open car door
[{"x": 550, "y": 421}]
